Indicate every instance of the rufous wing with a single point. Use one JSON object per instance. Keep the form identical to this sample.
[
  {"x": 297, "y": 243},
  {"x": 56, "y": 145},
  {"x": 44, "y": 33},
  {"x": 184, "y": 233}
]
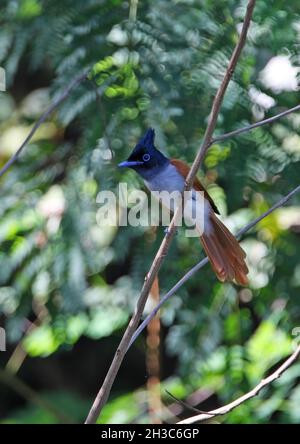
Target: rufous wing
[
  {"x": 226, "y": 256},
  {"x": 184, "y": 170}
]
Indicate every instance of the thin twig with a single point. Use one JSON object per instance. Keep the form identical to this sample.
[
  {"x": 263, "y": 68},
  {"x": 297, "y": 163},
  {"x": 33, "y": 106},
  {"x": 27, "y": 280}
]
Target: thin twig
[
  {"x": 255, "y": 391},
  {"x": 185, "y": 404},
  {"x": 254, "y": 125},
  {"x": 204, "y": 261},
  {"x": 74, "y": 83},
  {"x": 105, "y": 389},
  {"x": 195, "y": 398}
]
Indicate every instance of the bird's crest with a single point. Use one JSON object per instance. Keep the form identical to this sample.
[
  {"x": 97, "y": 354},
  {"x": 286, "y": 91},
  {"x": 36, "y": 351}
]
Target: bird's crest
[{"x": 147, "y": 140}]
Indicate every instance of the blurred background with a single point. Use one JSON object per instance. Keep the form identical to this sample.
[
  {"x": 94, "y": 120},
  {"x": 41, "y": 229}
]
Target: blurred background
[{"x": 68, "y": 286}]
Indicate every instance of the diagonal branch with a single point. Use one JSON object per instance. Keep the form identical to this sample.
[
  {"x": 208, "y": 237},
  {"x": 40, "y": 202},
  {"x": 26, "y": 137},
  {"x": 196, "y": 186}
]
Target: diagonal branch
[
  {"x": 204, "y": 261},
  {"x": 74, "y": 83},
  {"x": 263, "y": 383},
  {"x": 254, "y": 125},
  {"x": 104, "y": 391}
]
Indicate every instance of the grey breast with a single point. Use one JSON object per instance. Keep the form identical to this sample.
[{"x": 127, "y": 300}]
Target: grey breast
[{"x": 168, "y": 179}]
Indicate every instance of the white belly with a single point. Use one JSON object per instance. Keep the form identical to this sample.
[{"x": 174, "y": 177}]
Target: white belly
[{"x": 167, "y": 187}]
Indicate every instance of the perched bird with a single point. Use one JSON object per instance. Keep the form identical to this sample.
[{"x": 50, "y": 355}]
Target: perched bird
[{"x": 162, "y": 174}]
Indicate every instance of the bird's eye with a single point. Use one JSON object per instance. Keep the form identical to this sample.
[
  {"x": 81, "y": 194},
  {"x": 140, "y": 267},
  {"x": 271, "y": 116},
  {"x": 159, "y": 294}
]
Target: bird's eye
[{"x": 146, "y": 157}]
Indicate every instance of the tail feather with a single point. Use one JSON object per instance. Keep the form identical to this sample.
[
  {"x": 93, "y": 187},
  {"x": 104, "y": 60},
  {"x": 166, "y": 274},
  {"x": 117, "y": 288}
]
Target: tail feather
[{"x": 224, "y": 252}]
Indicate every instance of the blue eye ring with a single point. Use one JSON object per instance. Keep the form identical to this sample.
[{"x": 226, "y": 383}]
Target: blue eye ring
[{"x": 146, "y": 157}]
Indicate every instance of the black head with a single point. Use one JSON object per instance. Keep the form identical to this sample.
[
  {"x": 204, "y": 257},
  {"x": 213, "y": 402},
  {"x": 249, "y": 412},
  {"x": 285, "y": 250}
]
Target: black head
[{"x": 145, "y": 159}]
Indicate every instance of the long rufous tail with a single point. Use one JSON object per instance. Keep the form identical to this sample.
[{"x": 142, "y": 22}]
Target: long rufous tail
[{"x": 224, "y": 252}]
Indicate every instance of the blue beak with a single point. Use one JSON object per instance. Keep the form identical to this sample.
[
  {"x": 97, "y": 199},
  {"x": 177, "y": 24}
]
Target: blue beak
[{"x": 129, "y": 164}]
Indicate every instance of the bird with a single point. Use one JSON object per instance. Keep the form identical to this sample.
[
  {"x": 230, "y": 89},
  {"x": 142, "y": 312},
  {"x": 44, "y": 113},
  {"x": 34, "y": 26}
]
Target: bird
[{"x": 160, "y": 173}]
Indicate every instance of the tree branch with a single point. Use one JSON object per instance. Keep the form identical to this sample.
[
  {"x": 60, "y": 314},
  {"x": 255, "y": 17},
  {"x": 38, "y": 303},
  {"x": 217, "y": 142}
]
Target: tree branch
[
  {"x": 204, "y": 261},
  {"x": 263, "y": 383},
  {"x": 104, "y": 391},
  {"x": 74, "y": 83},
  {"x": 254, "y": 125}
]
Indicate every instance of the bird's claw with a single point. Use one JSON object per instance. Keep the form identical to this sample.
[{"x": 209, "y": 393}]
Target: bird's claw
[{"x": 166, "y": 231}]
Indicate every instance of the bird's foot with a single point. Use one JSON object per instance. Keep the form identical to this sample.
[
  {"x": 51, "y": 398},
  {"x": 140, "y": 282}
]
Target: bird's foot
[{"x": 166, "y": 231}]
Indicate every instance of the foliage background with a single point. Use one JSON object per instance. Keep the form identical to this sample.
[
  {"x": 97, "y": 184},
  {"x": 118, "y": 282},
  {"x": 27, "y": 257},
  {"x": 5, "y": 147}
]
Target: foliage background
[{"x": 78, "y": 282}]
